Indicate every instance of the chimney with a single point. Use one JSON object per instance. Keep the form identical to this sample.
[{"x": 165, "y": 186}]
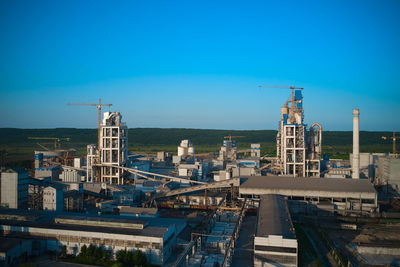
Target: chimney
[{"x": 356, "y": 146}]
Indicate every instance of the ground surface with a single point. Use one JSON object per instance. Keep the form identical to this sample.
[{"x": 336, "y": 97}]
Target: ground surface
[{"x": 243, "y": 255}]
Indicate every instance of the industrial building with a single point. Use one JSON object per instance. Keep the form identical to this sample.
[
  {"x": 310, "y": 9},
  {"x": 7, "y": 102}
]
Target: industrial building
[
  {"x": 113, "y": 134},
  {"x": 228, "y": 166},
  {"x": 113, "y": 147},
  {"x": 53, "y": 197},
  {"x": 347, "y": 196},
  {"x": 298, "y": 150},
  {"x": 47, "y": 162},
  {"x": 275, "y": 242},
  {"x": 388, "y": 172},
  {"x": 228, "y": 151},
  {"x": 14, "y": 188},
  {"x": 255, "y": 150},
  {"x": 296, "y": 186},
  {"x": 156, "y": 238}
]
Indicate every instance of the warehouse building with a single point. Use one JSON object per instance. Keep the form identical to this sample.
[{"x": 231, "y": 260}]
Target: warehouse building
[
  {"x": 275, "y": 242},
  {"x": 155, "y": 238},
  {"x": 336, "y": 195}
]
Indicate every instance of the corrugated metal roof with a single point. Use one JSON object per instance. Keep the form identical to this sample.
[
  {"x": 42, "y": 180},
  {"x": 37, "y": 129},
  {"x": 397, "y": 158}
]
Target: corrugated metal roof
[
  {"x": 273, "y": 217},
  {"x": 307, "y": 184}
]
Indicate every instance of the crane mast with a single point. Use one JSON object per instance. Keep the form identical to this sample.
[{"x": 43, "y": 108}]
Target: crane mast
[{"x": 99, "y": 106}]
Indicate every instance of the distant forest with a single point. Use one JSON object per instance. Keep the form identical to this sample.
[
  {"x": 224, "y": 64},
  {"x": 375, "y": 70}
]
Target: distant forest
[{"x": 16, "y": 145}]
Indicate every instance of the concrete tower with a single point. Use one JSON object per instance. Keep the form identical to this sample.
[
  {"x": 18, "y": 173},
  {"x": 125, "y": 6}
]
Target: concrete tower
[
  {"x": 356, "y": 146},
  {"x": 113, "y": 148}
]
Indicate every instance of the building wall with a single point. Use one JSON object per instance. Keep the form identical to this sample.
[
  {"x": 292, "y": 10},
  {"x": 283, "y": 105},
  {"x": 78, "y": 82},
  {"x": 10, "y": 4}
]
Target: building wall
[
  {"x": 156, "y": 249},
  {"x": 275, "y": 251},
  {"x": 14, "y": 189},
  {"x": 389, "y": 172},
  {"x": 70, "y": 176},
  {"x": 52, "y": 199}
]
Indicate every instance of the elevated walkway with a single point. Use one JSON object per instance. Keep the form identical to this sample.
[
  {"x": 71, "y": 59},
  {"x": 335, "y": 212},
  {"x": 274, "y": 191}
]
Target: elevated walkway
[{"x": 219, "y": 184}]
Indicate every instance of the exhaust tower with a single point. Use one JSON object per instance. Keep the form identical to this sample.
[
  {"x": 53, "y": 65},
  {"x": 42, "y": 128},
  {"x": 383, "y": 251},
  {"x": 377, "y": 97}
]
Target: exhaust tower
[{"x": 356, "y": 145}]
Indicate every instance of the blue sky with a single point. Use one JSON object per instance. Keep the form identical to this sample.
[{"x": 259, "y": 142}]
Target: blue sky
[{"x": 197, "y": 64}]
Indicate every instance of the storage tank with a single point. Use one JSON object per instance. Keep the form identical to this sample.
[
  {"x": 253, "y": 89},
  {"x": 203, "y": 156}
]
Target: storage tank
[
  {"x": 191, "y": 150},
  {"x": 182, "y": 151},
  {"x": 185, "y": 143},
  {"x": 284, "y": 110}
]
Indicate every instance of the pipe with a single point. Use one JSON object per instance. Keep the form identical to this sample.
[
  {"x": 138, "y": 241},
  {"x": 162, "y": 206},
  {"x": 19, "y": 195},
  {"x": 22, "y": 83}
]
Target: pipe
[{"x": 356, "y": 145}]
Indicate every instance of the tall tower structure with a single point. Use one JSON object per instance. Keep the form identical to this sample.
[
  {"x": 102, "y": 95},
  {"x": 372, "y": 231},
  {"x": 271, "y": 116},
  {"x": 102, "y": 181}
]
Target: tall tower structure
[
  {"x": 356, "y": 145},
  {"x": 113, "y": 148},
  {"x": 298, "y": 150},
  {"x": 291, "y": 148}
]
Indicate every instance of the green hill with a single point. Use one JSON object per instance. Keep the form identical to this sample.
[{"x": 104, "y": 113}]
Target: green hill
[{"x": 17, "y": 146}]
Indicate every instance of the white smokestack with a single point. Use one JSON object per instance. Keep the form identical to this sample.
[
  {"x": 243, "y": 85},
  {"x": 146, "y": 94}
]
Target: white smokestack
[{"x": 356, "y": 146}]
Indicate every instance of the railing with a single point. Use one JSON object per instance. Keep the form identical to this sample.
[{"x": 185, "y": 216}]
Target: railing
[
  {"x": 230, "y": 248},
  {"x": 339, "y": 259},
  {"x": 181, "y": 261}
]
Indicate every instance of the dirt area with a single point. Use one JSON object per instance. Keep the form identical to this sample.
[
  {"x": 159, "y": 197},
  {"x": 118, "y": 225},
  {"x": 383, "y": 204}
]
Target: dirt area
[
  {"x": 389, "y": 234},
  {"x": 374, "y": 235}
]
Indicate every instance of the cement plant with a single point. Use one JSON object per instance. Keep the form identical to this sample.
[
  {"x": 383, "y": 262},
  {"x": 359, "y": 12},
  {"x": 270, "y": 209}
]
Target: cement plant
[{"x": 233, "y": 207}]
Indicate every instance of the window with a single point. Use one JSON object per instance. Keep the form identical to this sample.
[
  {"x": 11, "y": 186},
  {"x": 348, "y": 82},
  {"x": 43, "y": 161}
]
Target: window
[{"x": 275, "y": 249}]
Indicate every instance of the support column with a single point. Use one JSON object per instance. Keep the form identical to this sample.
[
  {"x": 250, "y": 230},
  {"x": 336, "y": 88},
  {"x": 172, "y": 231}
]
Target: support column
[{"x": 356, "y": 145}]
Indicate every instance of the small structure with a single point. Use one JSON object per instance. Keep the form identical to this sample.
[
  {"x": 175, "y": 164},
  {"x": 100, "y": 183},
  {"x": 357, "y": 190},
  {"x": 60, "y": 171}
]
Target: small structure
[
  {"x": 228, "y": 151},
  {"x": 147, "y": 186},
  {"x": 255, "y": 150},
  {"x": 71, "y": 176},
  {"x": 138, "y": 212},
  {"x": 185, "y": 149},
  {"x": 53, "y": 197}
]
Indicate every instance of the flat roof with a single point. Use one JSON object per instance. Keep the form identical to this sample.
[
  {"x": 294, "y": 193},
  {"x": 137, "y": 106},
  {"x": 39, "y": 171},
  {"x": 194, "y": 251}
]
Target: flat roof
[
  {"x": 153, "y": 227},
  {"x": 277, "y": 184},
  {"x": 151, "y": 231},
  {"x": 273, "y": 217}
]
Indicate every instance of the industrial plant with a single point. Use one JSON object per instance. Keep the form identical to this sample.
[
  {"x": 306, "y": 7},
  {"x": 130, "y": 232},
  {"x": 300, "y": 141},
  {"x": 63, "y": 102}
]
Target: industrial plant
[{"x": 233, "y": 207}]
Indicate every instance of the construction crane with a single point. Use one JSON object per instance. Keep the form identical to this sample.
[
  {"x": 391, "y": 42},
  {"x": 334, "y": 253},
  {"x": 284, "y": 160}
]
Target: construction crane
[
  {"x": 98, "y": 105},
  {"x": 393, "y": 139},
  {"x": 283, "y": 87},
  {"x": 57, "y": 141}
]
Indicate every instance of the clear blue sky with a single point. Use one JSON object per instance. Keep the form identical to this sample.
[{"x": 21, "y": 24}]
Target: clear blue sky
[{"x": 197, "y": 64}]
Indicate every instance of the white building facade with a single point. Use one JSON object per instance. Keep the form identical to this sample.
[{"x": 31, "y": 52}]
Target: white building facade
[{"x": 114, "y": 148}]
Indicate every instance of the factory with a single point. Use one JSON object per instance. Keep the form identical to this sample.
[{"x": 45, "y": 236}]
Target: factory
[
  {"x": 127, "y": 201},
  {"x": 298, "y": 150}
]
